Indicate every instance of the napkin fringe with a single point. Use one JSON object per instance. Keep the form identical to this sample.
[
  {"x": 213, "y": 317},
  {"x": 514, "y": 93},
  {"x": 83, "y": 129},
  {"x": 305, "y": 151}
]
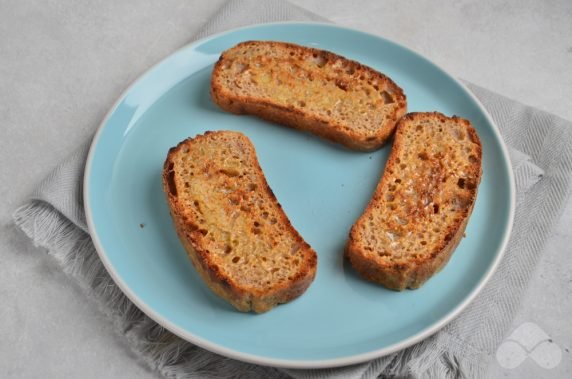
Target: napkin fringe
[
  {"x": 449, "y": 366},
  {"x": 73, "y": 249},
  {"x": 154, "y": 346},
  {"x": 434, "y": 359}
]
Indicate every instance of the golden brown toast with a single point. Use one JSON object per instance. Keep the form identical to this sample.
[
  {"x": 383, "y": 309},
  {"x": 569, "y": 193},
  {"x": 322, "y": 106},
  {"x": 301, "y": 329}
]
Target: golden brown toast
[
  {"x": 309, "y": 89},
  {"x": 422, "y": 204},
  {"x": 231, "y": 225}
]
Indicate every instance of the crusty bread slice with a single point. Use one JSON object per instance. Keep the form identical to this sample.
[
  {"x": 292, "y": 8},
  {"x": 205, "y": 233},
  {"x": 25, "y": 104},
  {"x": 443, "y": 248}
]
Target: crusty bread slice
[
  {"x": 422, "y": 204},
  {"x": 309, "y": 89},
  {"x": 231, "y": 225}
]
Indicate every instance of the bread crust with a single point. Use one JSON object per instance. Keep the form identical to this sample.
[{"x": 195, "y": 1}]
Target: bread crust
[
  {"x": 328, "y": 128},
  {"x": 414, "y": 272},
  {"x": 242, "y": 298}
]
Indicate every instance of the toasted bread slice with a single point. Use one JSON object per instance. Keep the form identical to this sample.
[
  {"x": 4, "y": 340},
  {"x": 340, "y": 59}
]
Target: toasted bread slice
[
  {"x": 422, "y": 204},
  {"x": 231, "y": 225},
  {"x": 309, "y": 89}
]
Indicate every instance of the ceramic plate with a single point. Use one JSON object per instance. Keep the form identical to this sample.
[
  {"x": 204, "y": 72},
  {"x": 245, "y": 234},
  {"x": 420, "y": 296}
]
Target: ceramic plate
[{"x": 323, "y": 188}]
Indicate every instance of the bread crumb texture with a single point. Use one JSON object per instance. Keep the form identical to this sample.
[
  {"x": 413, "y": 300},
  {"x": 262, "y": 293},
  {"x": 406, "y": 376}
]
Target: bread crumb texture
[
  {"x": 421, "y": 206},
  {"x": 309, "y": 89},
  {"x": 234, "y": 228}
]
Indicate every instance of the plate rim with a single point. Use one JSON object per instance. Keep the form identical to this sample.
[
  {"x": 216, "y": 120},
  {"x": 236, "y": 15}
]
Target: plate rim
[{"x": 293, "y": 363}]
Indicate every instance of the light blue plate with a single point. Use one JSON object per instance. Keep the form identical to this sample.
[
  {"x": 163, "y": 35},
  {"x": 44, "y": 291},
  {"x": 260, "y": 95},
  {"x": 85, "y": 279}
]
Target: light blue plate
[{"x": 323, "y": 188}]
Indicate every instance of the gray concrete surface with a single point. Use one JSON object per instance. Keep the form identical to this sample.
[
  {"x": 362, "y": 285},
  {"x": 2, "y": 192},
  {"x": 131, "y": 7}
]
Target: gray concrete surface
[{"x": 63, "y": 63}]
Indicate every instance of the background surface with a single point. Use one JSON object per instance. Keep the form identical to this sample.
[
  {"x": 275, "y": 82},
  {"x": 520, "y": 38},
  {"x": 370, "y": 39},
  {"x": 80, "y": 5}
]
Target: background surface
[{"x": 64, "y": 63}]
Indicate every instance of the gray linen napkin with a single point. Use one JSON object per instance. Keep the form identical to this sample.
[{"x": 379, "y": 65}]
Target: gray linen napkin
[{"x": 541, "y": 155}]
